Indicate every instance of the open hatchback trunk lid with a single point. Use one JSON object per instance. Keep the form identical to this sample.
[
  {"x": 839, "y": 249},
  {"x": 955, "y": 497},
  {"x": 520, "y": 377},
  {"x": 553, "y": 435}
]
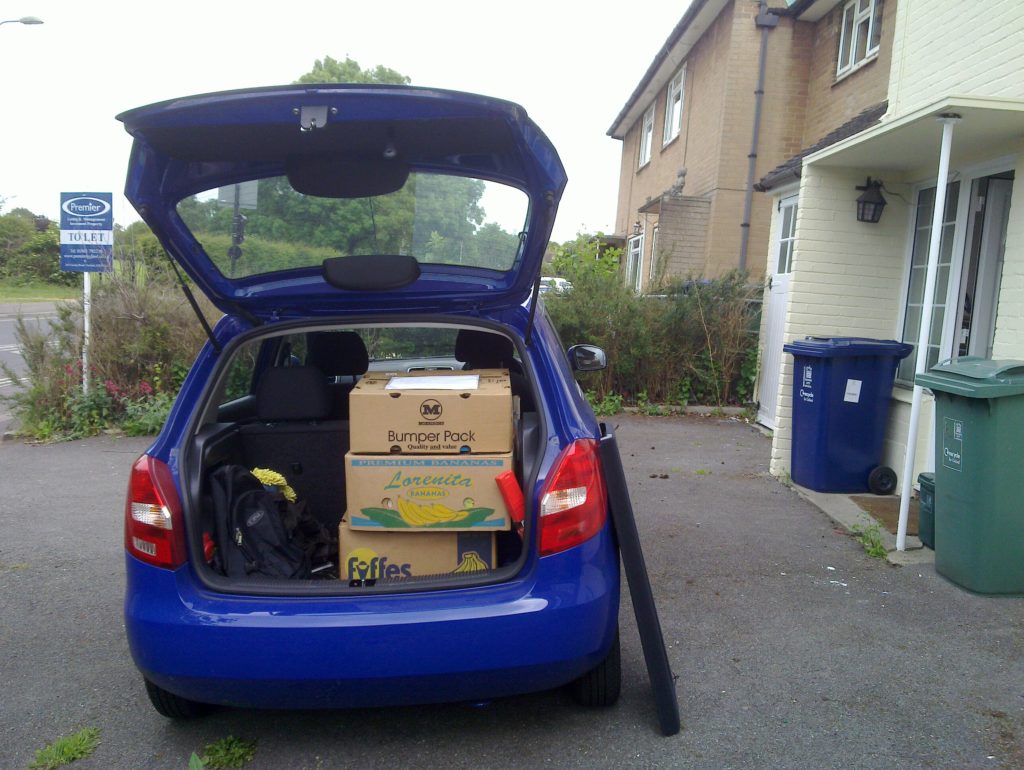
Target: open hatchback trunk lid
[{"x": 300, "y": 201}]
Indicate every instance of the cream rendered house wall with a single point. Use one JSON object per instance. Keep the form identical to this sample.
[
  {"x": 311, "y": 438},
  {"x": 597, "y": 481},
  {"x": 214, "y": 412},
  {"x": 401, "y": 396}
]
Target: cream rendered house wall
[
  {"x": 956, "y": 47},
  {"x": 847, "y": 275}
]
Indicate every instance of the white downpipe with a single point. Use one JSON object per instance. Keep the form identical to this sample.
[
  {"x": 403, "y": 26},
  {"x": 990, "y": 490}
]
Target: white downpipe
[{"x": 938, "y": 214}]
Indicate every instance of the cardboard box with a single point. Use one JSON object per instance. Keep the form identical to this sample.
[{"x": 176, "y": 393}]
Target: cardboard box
[
  {"x": 382, "y": 555},
  {"x": 432, "y": 412},
  {"x": 409, "y": 493}
]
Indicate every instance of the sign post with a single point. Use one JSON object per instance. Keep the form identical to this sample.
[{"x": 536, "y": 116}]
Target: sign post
[{"x": 86, "y": 246}]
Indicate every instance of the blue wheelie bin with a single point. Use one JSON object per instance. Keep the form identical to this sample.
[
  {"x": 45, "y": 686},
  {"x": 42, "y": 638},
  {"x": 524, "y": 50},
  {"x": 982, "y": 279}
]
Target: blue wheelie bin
[{"x": 841, "y": 392}]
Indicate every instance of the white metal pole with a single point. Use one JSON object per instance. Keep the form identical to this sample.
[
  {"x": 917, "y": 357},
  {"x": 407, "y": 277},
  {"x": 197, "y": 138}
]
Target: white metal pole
[
  {"x": 86, "y": 311},
  {"x": 938, "y": 214}
]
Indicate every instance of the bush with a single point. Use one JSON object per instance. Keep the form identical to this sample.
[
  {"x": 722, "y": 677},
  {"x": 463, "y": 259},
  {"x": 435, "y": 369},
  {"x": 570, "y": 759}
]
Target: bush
[
  {"x": 143, "y": 341},
  {"x": 696, "y": 342}
]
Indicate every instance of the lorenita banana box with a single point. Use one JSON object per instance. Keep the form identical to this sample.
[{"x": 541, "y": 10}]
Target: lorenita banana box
[
  {"x": 380, "y": 555},
  {"x": 432, "y": 412},
  {"x": 406, "y": 493}
]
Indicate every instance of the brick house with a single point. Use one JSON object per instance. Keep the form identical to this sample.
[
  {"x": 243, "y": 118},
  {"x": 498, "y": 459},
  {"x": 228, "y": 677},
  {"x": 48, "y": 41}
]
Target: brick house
[
  {"x": 955, "y": 63},
  {"x": 688, "y": 129}
]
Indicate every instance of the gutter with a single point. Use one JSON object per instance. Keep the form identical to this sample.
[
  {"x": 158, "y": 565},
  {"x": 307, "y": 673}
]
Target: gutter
[{"x": 766, "y": 21}]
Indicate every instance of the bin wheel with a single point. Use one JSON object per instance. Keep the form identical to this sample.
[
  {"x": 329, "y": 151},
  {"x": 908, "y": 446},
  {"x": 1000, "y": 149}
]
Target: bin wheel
[{"x": 882, "y": 480}]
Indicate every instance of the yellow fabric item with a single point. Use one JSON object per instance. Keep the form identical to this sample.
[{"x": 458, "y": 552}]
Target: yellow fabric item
[{"x": 271, "y": 478}]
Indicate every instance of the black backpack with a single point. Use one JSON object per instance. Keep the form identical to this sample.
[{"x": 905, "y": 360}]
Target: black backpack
[{"x": 250, "y": 534}]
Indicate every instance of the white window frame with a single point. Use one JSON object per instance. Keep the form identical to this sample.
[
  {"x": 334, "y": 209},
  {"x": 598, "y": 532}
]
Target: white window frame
[
  {"x": 785, "y": 240},
  {"x": 857, "y": 15},
  {"x": 951, "y": 318},
  {"x": 941, "y": 332},
  {"x": 674, "y": 95},
  {"x": 634, "y": 261},
  {"x": 646, "y": 137},
  {"x": 654, "y": 257}
]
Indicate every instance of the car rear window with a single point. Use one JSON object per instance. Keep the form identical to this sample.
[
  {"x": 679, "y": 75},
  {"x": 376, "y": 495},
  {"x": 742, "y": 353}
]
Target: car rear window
[{"x": 266, "y": 226}]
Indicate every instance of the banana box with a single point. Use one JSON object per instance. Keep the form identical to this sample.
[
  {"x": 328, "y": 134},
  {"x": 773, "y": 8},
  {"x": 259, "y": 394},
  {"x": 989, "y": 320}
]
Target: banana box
[
  {"x": 411, "y": 493},
  {"x": 434, "y": 412},
  {"x": 366, "y": 555}
]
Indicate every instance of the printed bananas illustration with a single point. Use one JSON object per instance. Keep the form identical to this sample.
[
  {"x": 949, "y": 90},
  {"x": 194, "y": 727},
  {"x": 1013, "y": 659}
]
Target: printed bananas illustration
[
  {"x": 471, "y": 562},
  {"x": 425, "y": 514}
]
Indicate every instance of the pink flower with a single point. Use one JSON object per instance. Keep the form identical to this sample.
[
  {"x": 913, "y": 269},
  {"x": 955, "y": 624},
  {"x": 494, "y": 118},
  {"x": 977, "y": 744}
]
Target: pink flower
[{"x": 145, "y": 388}]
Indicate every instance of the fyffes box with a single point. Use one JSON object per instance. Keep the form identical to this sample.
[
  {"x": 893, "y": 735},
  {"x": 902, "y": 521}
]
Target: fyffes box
[
  {"x": 407, "y": 493},
  {"x": 431, "y": 412},
  {"x": 381, "y": 555}
]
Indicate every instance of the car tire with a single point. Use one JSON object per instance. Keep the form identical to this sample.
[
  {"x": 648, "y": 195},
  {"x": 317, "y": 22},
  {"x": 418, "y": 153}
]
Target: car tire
[
  {"x": 600, "y": 686},
  {"x": 173, "y": 706}
]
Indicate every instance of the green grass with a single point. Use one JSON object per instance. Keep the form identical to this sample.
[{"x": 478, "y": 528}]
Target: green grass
[
  {"x": 230, "y": 752},
  {"x": 36, "y": 292},
  {"x": 871, "y": 538},
  {"x": 67, "y": 749}
]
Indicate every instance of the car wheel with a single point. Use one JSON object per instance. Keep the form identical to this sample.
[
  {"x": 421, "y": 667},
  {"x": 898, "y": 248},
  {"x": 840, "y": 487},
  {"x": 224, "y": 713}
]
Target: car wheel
[
  {"x": 172, "y": 706},
  {"x": 601, "y": 685}
]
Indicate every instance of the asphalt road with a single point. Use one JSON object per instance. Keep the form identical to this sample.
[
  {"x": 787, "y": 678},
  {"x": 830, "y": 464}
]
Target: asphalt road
[
  {"x": 34, "y": 313},
  {"x": 793, "y": 649}
]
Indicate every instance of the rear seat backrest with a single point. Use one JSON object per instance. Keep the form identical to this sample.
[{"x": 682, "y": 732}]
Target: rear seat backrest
[
  {"x": 479, "y": 349},
  {"x": 342, "y": 357},
  {"x": 292, "y": 437}
]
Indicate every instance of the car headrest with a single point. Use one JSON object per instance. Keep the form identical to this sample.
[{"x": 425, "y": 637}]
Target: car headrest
[
  {"x": 483, "y": 350},
  {"x": 337, "y": 354},
  {"x": 292, "y": 393}
]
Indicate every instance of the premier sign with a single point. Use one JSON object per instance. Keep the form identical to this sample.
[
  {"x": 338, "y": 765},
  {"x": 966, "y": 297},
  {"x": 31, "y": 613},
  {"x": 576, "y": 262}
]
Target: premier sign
[{"x": 86, "y": 232}]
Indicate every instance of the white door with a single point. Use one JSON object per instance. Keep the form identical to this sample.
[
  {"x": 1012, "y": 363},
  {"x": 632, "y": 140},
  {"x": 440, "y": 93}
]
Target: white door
[{"x": 775, "y": 313}]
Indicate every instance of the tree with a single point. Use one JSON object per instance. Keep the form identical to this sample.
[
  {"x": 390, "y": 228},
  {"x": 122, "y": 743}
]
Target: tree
[
  {"x": 436, "y": 218},
  {"x": 585, "y": 254},
  {"x": 329, "y": 70}
]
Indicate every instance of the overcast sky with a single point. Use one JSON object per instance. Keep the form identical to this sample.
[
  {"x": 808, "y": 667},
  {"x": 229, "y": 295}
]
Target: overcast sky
[{"x": 572, "y": 65}]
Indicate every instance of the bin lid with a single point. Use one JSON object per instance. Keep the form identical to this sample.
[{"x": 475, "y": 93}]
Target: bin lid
[
  {"x": 834, "y": 347},
  {"x": 975, "y": 377}
]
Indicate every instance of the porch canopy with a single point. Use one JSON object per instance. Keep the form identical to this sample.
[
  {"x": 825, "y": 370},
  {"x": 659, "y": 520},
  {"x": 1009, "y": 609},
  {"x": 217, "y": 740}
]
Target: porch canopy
[
  {"x": 989, "y": 127},
  {"x": 956, "y": 131}
]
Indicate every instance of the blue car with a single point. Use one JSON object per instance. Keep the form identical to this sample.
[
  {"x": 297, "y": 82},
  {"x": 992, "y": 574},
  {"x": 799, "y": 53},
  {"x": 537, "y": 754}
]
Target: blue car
[{"x": 342, "y": 231}]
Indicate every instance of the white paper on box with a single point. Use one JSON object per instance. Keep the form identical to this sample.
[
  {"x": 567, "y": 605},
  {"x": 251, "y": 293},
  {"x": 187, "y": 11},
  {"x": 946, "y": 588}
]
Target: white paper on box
[
  {"x": 852, "y": 391},
  {"x": 447, "y": 382}
]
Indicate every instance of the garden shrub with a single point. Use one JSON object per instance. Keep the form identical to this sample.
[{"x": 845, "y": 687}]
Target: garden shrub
[
  {"x": 144, "y": 338},
  {"x": 695, "y": 341}
]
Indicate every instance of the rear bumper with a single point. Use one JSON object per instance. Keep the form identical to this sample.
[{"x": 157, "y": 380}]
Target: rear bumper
[{"x": 531, "y": 634}]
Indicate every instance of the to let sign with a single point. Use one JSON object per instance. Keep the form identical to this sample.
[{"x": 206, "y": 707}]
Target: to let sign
[{"x": 86, "y": 232}]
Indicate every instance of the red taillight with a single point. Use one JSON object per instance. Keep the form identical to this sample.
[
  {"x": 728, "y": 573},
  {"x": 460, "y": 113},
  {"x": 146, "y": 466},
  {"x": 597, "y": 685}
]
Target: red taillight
[
  {"x": 154, "y": 530},
  {"x": 573, "y": 504}
]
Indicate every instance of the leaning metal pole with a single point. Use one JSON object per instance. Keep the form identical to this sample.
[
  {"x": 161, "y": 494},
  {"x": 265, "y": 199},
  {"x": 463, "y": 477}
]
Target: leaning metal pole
[{"x": 938, "y": 214}]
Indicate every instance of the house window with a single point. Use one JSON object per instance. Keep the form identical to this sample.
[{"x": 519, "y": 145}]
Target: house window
[
  {"x": 859, "y": 34},
  {"x": 646, "y": 137},
  {"x": 787, "y": 234},
  {"x": 634, "y": 262},
  {"x": 918, "y": 272},
  {"x": 673, "y": 108}
]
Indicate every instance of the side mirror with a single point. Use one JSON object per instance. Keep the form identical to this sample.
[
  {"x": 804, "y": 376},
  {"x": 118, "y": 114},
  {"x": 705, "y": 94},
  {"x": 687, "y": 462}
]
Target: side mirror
[{"x": 587, "y": 358}]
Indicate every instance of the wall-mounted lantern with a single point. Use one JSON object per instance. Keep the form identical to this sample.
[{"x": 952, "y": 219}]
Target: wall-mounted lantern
[{"x": 870, "y": 203}]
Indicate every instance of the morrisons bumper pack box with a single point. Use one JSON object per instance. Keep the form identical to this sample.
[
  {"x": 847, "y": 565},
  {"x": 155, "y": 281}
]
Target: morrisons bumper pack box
[
  {"x": 426, "y": 492},
  {"x": 382, "y": 555},
  {"x": 432, "y": 413}
]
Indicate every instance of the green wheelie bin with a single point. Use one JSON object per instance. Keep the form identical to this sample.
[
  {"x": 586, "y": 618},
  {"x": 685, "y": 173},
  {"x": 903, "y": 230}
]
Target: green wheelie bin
[{"x": 979, "y": 473}]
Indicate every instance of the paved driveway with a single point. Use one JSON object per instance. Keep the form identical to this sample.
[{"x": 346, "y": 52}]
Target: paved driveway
[{"x": 793, "y": 648}]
